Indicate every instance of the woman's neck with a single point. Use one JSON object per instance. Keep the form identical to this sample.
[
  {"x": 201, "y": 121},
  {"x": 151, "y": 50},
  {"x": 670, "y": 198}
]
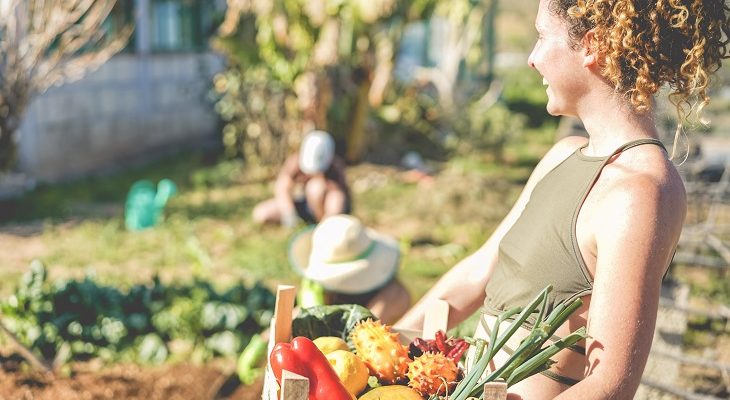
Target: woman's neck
[{"x": 611, "y": 122}]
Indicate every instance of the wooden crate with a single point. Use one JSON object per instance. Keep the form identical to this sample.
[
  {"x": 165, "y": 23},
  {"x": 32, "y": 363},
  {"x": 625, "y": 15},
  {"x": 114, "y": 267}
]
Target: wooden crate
[{"x": 296, "y": 387}]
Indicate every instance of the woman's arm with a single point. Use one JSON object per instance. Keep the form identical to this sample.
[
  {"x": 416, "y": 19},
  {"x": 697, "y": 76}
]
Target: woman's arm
[
  {"x": 637, "y": 230},
  {"x": 463, "y": 285}
]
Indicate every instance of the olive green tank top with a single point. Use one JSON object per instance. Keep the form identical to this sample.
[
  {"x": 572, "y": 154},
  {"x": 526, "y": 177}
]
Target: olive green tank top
[{"x": 541, "y": 247}]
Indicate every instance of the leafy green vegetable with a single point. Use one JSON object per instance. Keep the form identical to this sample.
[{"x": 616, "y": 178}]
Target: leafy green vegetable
[
  {"x": 75, "y": 319},
  {"x": 333, "y": 320}
]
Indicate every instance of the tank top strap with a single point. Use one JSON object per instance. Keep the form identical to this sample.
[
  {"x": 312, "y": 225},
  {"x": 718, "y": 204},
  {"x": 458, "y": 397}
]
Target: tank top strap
[
  {"x": 637, "y": 142},
  {"x": 596, "y": 173},
  {"x": 621, "y": 148},
  {"x": 625, "y": 147}
]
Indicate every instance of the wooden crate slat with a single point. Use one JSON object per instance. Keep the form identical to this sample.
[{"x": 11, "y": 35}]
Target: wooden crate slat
[
  {"x": 285, "y": 296},
  {"x": 271, "y": 388},
  {"x": 495, "y": 391},
  {"x": 294, "y": 386},
  {"x": 279, "y": 331}
]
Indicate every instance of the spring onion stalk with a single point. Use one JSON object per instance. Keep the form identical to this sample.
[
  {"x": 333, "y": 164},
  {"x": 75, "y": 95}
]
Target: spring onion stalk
[
  {"x": 538, "y": 321},
  {"x": 539, "y": 334},
  {"x": 479, "y": 364},
  {"x": 516, "y": 324},
  {"x": 493, "y": 346},
  {"x": 542, "y": 359},
  {"x": 530, "y": 357},
  {"x": 471, "y": 383},
  {"x": 479, "y": 346},
  {"x": 535, "y": 341},
  {"x": 529, "y": 346},
  {"x": 560, "y": 314}
]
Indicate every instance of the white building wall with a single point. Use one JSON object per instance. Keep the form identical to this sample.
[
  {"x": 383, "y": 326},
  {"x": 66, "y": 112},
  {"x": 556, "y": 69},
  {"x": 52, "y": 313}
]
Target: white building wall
[{"x": 132, "y": 106}]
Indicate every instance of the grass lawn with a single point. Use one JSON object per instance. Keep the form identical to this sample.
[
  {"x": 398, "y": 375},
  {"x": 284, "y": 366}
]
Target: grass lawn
[{"x": 78, "y": 228}]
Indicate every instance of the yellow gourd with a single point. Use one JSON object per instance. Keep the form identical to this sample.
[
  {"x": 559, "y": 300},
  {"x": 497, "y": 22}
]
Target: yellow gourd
[
  {"x": 391, "y": 392},
  {"x": 350, "y": 369},
  {"x": 328, "y": 344}
]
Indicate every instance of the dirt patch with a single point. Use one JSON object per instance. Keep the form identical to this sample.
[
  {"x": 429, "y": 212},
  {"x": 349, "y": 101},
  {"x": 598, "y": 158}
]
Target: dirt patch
[
  {"x": 17, "y": 250},
  {"x": 127, "y": 381}
]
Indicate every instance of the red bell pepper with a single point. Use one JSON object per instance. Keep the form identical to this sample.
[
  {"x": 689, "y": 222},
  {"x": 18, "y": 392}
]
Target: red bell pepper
[{"x": 302, "y": 357}]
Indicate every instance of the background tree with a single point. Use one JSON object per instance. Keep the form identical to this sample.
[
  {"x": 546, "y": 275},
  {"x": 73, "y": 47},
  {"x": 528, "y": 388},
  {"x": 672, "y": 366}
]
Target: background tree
[
  {"x": 45, "y": 43},
  {"x": 469, "y": 112},
  {"x": 297, "y": 65}
]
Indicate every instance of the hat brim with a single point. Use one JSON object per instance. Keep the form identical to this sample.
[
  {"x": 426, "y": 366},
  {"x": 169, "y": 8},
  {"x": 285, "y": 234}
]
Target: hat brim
[{"x": 358, "y": 276}]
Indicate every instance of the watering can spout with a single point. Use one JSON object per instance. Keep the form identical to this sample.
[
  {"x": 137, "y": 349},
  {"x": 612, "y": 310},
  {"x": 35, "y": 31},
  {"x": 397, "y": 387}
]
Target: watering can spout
[
  {"x": 165, "y": 189},
  {"x": 145, "y": 203}
]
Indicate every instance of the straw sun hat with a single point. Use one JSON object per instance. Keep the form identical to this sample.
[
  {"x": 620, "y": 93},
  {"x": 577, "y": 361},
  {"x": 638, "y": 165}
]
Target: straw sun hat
[{"x": 344, "y": 256}]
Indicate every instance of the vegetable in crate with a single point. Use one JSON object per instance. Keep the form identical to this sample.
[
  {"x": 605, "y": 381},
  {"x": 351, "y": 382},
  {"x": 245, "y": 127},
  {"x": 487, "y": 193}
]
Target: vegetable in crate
[
  {"x": 302, "y": 357},
  {"x": 452, "y": 347},
  {"x": 328, "y": 344},
  {"x": 353, "y": 373},
  {"x": 391, "y": 392},
  {"x": 335, "y": 320},
  {"x": 380, "y": 348},
  {"x": 433, "y": 374}
]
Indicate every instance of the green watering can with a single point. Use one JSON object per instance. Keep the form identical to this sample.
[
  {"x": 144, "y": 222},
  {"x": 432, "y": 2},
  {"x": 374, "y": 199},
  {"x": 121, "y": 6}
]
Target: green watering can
[{"x": 145, "y": 203}]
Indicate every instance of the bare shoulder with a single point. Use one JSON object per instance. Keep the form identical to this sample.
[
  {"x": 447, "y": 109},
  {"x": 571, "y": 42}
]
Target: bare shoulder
[
  {"x": 566, "y": 146},
  {"x": 645, "y": 174},
  {"x": 642, "y": 200}
]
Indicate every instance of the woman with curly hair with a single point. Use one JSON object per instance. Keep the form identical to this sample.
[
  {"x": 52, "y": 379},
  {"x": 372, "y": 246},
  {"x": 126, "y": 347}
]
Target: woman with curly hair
[{"x": 599, "y": 219}]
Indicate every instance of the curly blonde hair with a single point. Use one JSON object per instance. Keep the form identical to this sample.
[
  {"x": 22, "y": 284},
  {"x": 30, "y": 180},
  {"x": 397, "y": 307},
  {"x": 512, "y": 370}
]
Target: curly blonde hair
[{"x": 646, "y": 44}]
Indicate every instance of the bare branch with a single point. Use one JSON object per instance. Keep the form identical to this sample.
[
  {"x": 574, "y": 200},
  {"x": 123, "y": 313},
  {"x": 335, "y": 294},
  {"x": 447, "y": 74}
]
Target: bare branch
[
  {"x": 45, "y": 43},
  {"x": 67, "y": 25},
  {"x": 73, "y": 69},
  {"x": 38, "y": 363}
]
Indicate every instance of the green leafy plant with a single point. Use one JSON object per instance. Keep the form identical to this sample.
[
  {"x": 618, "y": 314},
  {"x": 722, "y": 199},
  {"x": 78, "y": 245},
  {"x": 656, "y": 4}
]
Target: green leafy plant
[
  {"x": 76, "y": 319},
  {"x": 332, "y": 320}
]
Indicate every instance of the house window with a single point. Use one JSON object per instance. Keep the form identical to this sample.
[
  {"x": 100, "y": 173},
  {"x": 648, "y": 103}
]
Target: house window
[{"x": 181, "y": 25}]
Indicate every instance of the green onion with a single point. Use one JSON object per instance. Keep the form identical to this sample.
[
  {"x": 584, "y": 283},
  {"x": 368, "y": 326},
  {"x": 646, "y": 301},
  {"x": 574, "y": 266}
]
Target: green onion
[
  {"x": 542, "y": 359},
  {"x": 530, "y": 357}
]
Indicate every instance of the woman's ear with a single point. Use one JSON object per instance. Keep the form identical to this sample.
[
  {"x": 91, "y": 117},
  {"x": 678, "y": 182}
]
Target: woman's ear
[{"x": 590, "y": 49}]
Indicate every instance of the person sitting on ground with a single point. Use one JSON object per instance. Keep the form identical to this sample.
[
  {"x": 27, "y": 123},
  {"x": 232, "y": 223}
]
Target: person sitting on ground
[
  {"x": 311, "y": 185},
  {"x": 354, "y": 265}
]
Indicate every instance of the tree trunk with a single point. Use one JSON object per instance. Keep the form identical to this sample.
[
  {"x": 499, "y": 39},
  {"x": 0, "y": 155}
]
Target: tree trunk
[
  {"x": 8, "y": 150},
  {"x": 356, "y": 142},
  {"x": 314, "y": 95}
]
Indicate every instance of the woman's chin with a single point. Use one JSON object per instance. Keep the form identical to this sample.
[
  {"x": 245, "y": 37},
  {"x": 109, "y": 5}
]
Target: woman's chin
[{"x": 554, "y": 111}]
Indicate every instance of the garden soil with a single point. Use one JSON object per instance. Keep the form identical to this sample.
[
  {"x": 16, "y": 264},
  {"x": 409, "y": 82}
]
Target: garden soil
[{"x": 126, "y": 381}]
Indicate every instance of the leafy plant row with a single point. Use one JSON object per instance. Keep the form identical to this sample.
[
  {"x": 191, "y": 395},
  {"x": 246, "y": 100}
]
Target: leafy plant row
[{"x": 80, "y": 319}]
